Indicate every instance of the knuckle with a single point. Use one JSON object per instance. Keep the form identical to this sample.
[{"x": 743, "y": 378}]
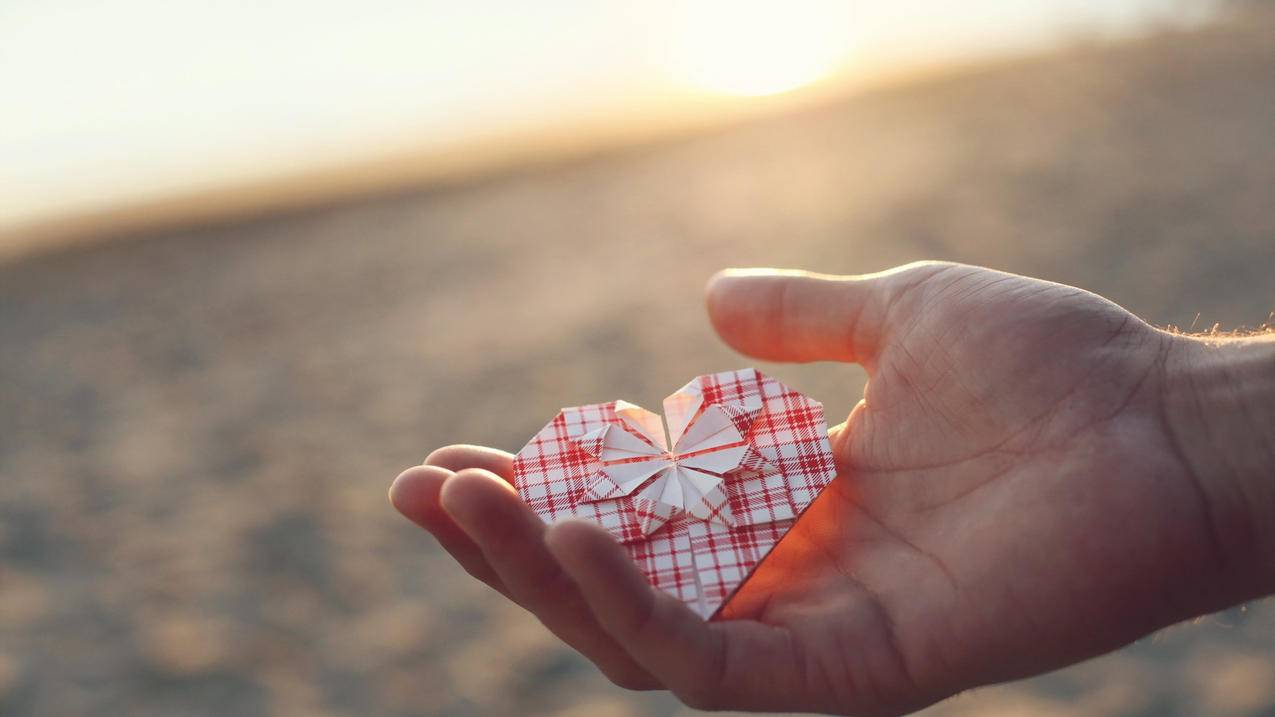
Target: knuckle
[
  {"x": 500, "y": 537},
  {"x": 545, "y": 585},
  {"x": 480, "y": 573},
  {"x": 697, "y": 695},
  {"x": 641, "y": 621},
  {"x": 630, "y": 680}
]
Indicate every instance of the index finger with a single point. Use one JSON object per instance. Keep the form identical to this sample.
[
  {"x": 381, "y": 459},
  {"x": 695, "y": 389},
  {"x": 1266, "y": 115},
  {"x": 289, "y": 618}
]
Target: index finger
[{"x": 708, "y": 665}]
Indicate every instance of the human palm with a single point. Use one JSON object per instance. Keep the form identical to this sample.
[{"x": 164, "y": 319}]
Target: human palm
[{"x": 1007, "y": 502}]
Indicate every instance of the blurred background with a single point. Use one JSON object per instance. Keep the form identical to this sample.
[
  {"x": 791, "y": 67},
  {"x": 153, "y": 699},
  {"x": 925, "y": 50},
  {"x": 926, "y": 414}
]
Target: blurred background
[{"x": 256, "y": 258}]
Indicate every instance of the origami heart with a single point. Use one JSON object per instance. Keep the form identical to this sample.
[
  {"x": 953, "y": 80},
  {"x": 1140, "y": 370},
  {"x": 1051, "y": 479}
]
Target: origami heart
[{"x": 698, "y": 509}]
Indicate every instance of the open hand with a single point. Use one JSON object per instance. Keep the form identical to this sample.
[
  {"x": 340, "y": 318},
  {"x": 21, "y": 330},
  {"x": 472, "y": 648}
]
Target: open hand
[{"x": 1011, "y": 498}]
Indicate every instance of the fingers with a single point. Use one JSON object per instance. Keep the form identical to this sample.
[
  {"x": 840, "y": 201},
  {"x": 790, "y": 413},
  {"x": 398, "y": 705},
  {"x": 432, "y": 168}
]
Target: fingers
[
  {"x": 718, "y": 665},
  {"x": 509, "y": 536},
  {"x": 415, "y": 493},
  {"x": 784, "y": 315},
  {"x": 461, "y": 456},
  {"x": 511, "y": 539}
]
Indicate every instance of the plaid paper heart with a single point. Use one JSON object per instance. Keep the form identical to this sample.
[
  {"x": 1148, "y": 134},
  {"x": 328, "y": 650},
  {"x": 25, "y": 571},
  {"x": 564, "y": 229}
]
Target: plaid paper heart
[{"x": 697, "y": 508}]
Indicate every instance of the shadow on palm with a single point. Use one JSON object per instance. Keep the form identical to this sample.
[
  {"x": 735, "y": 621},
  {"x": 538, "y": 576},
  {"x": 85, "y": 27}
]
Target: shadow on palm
[
  {"x": 975, "y": 490},
  {"x": 1006, "y": 503}
]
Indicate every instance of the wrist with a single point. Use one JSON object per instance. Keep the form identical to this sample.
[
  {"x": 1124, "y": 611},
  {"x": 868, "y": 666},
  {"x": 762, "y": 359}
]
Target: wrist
[{"x": 1219, "y": 414}]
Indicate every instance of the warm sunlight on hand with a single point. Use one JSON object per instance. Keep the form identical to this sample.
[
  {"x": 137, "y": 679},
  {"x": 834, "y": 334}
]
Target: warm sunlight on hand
[{"x": 1013, "y": 496}]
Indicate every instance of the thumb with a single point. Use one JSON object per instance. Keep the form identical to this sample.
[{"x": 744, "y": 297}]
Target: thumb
[{"x": 787, "y": 315}]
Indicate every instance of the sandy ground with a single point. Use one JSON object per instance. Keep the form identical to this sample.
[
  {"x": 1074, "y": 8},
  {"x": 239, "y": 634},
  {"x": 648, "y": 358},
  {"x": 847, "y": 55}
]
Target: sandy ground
[{"x": 197, "y": 429}]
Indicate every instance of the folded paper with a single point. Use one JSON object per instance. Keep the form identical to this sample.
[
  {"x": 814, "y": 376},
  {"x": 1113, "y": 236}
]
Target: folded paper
[{"x": 698, "y": 496}]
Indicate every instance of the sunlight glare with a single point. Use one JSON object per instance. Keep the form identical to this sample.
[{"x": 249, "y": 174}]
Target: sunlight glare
[{"x": 758, "y": 48}]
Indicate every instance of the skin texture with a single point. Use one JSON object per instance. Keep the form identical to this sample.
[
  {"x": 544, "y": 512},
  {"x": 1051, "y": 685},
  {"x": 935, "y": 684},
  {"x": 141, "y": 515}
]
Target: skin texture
[{"x": 1018, "y": 490}]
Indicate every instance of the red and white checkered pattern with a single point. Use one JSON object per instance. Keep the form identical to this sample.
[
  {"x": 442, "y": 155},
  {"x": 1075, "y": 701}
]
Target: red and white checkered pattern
[{"x": 701, "y": 562}]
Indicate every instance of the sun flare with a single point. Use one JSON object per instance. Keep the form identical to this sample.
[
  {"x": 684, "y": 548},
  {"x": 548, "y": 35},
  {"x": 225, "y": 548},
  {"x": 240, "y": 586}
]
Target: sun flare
[{"x": 757, "y": 48}]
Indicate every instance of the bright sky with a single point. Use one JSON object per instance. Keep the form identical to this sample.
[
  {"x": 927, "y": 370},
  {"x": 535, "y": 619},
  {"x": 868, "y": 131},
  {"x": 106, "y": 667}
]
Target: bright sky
[{"x": 108, "y": 102}]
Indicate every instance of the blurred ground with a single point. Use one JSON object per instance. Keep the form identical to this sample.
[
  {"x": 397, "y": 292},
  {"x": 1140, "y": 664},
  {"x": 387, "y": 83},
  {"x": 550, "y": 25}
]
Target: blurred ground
[{"x": 197, "y": 430}]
